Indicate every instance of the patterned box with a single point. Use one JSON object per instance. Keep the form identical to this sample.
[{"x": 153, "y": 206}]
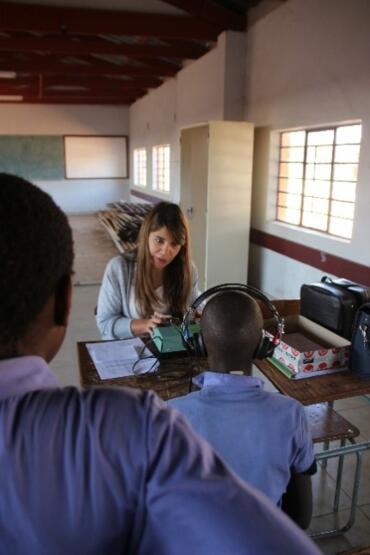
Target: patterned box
[{"x": 331, "y": 352}]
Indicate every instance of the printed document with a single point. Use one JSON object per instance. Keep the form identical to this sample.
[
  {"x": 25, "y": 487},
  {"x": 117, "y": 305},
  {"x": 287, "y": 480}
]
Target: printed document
[{"x": 116, "y": 359}]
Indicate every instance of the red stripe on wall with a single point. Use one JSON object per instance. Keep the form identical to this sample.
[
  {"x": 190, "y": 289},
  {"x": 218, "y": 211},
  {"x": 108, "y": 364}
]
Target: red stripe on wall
[{"x": 328, "y": 263}]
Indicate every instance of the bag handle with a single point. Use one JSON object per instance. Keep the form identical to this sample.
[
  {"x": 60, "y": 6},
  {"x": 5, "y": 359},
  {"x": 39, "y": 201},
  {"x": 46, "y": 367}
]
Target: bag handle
[{"x": 342, "y": 282}]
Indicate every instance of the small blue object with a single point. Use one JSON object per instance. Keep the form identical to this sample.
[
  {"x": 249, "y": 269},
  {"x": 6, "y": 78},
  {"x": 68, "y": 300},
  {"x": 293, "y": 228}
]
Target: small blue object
[{"x": 168, "y": 339}]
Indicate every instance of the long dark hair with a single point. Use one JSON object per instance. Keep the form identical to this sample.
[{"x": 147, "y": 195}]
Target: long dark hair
[{"x": 177, "y": 275}]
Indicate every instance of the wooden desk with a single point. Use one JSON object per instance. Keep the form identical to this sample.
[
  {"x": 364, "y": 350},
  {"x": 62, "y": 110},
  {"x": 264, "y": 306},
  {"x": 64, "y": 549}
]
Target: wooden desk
[
  {"x": 175, "y": 374},
  {"x": 172, "y": 379},
  {"x": 318, "y": 389}
]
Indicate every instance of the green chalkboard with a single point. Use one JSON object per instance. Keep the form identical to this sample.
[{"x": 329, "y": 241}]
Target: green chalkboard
[{"x": 32, "y": 156}]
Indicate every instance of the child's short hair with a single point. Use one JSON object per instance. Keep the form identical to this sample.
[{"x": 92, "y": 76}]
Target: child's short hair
[
  {"x": 36, "y": 251},
  {"x": 232, "y": 320}
]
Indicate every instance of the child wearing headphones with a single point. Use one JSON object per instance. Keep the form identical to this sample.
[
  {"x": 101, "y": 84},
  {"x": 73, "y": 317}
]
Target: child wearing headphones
[{"x": 263, "y": 436}]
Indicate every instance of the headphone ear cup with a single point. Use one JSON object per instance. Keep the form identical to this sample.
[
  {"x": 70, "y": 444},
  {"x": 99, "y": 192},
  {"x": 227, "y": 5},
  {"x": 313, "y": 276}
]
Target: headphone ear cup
[
  {"x": 265, "y": 348},
  {"x": 199, "y": 346}
]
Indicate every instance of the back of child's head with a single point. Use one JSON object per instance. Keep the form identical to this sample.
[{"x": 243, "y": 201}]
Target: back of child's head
[
  {"x": 36, "y": 251},
  {"x": 232, "y": 322}
]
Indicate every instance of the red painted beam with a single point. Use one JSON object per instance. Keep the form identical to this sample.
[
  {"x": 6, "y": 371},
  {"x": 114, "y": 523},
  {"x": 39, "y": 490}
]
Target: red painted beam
[
  {"x": 73, "y": 100},
  {"x": 93, "y": 91},
  {"x": 155, "y": 67},
  {"x": 6, "y": 88},
  {"x": 66, "y": 80},
  {"x": 45, "y": 65},
  {"x": 164, "y": 68},
  {"x": 83, "y": 98},
  {"x": 51, "y": 19},
  {"x": 75, "y": 47},
  {"x": 147, "y": 65},
  {"x": 33, "y": 89},
  {"x": 19, "y": 81},
  {"x": 221, "y": 17}
]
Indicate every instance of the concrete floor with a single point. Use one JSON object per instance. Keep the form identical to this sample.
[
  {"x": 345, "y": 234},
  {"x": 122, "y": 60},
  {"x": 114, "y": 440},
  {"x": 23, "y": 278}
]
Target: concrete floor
[
  {"x": 93, "y": 249},
  {"x": 357, "y": 410}
]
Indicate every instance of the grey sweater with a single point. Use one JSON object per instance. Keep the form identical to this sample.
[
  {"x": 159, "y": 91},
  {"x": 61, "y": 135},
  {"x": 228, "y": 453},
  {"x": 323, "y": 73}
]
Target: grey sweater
[{"x": 113, "y": 316}]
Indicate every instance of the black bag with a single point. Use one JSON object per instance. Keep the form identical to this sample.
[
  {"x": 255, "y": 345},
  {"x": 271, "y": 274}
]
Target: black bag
[
  {"x": 359, "y": 359},
  {"x": 333, "y": 303}
]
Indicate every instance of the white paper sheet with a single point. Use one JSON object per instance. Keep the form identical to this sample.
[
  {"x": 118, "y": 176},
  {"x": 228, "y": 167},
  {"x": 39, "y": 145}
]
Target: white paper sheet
[{"x": 116, "y": 359}]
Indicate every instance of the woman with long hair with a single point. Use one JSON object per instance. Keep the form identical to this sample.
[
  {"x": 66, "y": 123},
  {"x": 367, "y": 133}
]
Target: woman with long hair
[{"x": 140, "y": 290}]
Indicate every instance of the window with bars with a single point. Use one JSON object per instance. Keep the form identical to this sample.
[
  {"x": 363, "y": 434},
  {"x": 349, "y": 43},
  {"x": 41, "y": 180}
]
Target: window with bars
[
  {"x": 161, "y": 168},
  {"x": 140, "y": 167},
  {"x": 317, "y": 178}
]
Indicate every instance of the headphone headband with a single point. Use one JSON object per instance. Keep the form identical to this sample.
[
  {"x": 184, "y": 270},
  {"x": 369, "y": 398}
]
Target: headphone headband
[{"x": 250, "y": 290}]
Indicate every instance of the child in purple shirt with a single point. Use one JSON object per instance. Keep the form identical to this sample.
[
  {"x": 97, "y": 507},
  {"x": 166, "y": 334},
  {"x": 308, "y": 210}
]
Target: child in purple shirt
[{"x": 263, "y": 436}]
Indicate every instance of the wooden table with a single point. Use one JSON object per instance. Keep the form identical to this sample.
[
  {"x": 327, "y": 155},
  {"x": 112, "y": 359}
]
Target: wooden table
[
  {"x": 175, "y": 374},
  {"x": 316, "y": 389},
  {"x": 172, "y": 379}
]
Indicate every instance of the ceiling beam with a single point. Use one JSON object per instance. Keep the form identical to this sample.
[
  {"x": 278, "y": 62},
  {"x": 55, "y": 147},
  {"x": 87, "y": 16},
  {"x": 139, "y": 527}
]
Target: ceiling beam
[
  {"x": 51, "y": 19},
  {"x": 72, "y": 46},
  {"x": 216, "y": 14},
  {"x": 25, "y": 89},
  {"x": 38, "y": 91},
  {"x": 160, "y": 67},
  {"x": 89, "y": 94},
  {"x": 66, "y": 80},
  {"x": 52, "y": 64},
  {"x": 30, "y": 99},
  {"x": 92, "y": 89},
  {"x": 19, "y": 81}
]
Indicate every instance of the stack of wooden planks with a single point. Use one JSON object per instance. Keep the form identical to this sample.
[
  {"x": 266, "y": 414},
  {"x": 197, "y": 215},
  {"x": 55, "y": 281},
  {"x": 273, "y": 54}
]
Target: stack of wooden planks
[{"x": 122, "y": 220}]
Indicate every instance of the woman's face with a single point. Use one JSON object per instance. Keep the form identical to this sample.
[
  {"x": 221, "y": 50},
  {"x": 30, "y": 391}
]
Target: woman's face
[{"x": 162, "y": 248}]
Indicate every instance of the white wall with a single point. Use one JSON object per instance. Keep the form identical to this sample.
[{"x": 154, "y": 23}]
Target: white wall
[
  {"x": 197, "y": 94},
  {"x": 153, "y": 122},
  {"x": 307, "y": 64},
  {"x": 72, "y": 195}
]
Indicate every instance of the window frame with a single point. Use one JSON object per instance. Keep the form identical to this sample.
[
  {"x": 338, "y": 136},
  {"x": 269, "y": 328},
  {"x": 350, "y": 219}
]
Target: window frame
[
  {"x": 157, "y": 171},
  {"x": 138, "y": 170},
  {"x": 303, "y": 194}
]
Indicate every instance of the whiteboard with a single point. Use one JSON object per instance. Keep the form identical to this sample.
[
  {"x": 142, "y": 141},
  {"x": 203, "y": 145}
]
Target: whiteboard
[{"x": 95, "y": 157}]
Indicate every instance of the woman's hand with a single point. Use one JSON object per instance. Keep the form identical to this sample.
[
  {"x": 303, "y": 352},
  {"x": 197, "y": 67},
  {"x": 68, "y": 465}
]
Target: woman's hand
[{"x": 147, "y": 326}]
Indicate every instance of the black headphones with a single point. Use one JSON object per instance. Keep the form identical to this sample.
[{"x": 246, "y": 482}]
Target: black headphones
[{"x": 194, "y": 344}]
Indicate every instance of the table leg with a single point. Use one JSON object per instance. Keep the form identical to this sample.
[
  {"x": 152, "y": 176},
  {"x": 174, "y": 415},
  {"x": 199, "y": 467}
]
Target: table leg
[{"x": 326, "y": 442}]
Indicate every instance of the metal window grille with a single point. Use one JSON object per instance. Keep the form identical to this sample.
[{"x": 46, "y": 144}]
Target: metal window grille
[
  {"x": 161, "y": 168},
  {"x": 317, "y": 178},
  {"x": 140, "y": 167}
]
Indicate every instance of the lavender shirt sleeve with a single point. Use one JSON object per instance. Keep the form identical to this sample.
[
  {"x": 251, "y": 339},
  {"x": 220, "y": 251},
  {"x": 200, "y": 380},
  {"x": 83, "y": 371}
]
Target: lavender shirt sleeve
[{"x": 303, "y": 456}]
